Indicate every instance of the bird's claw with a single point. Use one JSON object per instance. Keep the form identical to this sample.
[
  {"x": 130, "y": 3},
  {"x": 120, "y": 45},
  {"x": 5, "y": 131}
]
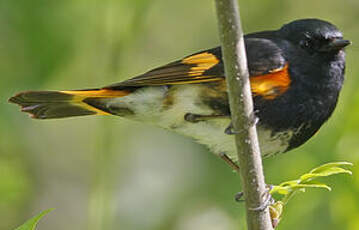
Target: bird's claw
[
  {"x": 267, "y": 201},
  {"x": 230, "y": 130},
  {"x": 253, "y": 120}
]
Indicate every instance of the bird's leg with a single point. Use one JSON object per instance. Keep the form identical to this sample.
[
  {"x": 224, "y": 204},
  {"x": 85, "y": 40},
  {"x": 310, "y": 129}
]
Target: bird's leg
[
  {"x": 192, "y": 117},
  {"x": 229, "y": 161}
]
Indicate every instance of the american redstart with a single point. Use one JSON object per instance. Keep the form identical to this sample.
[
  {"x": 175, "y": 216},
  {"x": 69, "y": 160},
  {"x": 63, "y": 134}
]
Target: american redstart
[{"x": 296, "y": 74}]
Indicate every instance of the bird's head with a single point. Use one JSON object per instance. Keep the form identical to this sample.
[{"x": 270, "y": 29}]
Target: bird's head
[{"x": 314, "y": 36}]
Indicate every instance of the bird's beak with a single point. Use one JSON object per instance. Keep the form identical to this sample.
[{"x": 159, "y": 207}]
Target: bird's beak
[
  {"x": 340, "y": 43},
  {"x": 337, "y": 44}
]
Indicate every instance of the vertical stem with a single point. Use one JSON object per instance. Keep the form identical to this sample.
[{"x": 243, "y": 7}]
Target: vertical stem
[{"x": 241, "y": 105}]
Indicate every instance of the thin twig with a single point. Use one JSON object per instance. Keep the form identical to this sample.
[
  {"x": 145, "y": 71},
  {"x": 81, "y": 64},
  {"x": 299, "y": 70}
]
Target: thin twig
[{"x": 241, "y": 106}]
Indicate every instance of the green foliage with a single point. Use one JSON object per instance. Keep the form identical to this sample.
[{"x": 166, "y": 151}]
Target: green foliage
[
  {"x": 31, "y": 223},
  {"x": 288, "y": 189}
]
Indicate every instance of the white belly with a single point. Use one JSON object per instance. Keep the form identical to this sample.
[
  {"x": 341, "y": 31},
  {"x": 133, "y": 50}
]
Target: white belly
[{"x": 148, "y": 106}]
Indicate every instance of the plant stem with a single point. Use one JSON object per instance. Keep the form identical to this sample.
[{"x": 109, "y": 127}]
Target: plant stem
[{"x": 241, "y": 105}]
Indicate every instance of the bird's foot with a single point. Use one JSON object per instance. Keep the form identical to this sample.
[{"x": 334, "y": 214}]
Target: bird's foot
[
  {"x": 266, "y": 196},
  {"x": 253, "y": 120}
]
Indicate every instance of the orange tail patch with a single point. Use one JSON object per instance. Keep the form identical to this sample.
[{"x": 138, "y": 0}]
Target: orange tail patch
[
  {"x": 97, "y": 93},
  {"x": 61, "y": 104}
]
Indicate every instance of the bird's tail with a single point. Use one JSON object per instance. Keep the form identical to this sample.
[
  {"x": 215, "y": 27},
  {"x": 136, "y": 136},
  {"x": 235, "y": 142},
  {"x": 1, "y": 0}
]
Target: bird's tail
[{"x": 61, "y": 104}]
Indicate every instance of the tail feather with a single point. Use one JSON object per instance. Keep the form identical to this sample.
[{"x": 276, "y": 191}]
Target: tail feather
[{"x": 61, "y": 104}]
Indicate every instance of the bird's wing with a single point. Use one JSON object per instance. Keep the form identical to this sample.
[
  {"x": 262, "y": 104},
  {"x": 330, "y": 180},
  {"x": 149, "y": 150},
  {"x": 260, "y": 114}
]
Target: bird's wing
[
  {"x": 267, "y": 68},
  {"x": 191, "y": 69}
]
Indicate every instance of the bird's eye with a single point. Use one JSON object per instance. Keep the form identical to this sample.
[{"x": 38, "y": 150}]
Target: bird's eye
[
  {"x": 307, "y": 35},
  {"x": 305, "y": 43}
]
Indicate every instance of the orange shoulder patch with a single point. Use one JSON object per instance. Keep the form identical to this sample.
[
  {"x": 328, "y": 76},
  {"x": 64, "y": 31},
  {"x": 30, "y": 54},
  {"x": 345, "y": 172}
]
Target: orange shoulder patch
[{"x": 271, "y": 85}]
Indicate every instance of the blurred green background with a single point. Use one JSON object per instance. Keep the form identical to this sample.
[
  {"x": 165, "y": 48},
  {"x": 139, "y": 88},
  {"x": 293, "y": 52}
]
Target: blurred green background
[{"x": 110, "y": 173}]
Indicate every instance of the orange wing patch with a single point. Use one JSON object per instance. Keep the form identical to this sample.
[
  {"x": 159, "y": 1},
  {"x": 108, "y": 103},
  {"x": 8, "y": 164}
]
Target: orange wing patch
[
  {"x": 272, "y": 84},
  {"x": 202, "y": 61}
]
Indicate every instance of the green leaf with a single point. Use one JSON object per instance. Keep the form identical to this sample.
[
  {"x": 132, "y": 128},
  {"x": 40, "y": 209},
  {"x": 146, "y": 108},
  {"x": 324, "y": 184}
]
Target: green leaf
[
  {"x": 280, "y": 190},
  {"x": 324, "y": 173},
  {"x": 289, "y": 183},
  {"x": 330, "y": 165},
  {"x": 308, "y": 176},
  {"x": 31, "y": 223},
  {"x": 312, "y": 185}
]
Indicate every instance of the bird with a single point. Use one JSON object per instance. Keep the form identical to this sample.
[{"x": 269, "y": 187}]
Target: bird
[{"x": 296, "y": 75}]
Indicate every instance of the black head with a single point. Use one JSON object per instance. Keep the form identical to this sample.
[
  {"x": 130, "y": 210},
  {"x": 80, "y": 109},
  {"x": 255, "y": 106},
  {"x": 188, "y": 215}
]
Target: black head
[{"x": 314, "y": 36}]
